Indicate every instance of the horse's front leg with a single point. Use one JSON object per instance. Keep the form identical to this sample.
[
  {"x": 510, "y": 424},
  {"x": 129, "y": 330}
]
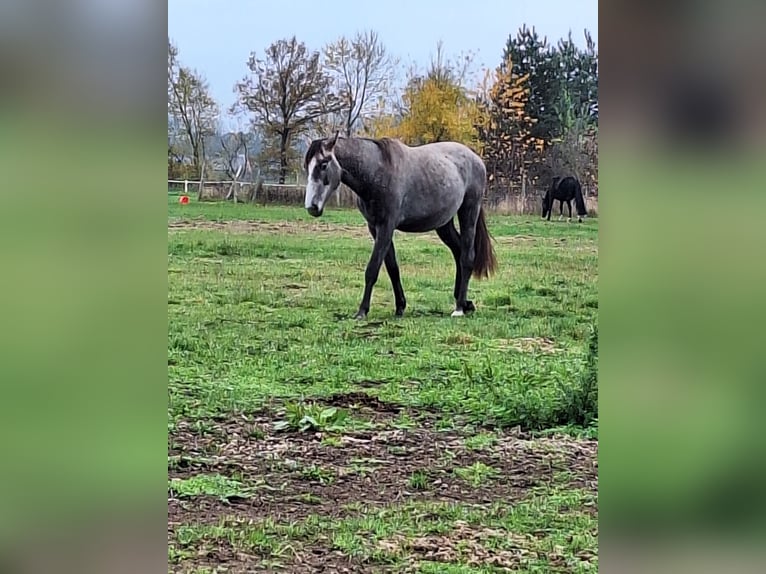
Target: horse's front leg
[
  {"x": 561, "y": 209},
  {"x": 569, "y": 208},
  {"x": 392, "y": 266},
  {"x": 383, "y": 238}
]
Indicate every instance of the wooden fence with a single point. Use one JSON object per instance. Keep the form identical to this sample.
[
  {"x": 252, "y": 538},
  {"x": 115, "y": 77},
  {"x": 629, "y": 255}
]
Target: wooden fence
[{"x": 291, "y": 194}]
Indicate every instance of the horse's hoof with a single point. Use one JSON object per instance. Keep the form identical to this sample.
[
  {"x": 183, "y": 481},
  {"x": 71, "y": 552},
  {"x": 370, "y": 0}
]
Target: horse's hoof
[
  {"x": 360, "y": 316},
  {"x": 399, "y": 313},
  {"x": 467, "y": 308}
]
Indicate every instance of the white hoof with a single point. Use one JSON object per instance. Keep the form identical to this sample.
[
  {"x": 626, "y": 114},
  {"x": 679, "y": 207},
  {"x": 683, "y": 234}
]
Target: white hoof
[{"x": 458, "y": 313}]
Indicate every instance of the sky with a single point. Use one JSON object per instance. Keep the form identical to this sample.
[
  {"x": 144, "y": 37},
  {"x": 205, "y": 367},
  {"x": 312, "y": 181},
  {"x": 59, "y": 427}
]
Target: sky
[{"x": 216, "y": 37}]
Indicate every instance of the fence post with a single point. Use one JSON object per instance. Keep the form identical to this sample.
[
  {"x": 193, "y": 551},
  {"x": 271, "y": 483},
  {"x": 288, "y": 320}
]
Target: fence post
[
  {"x": 523, "y": 192},
  {"x": 186, "y": 187}
]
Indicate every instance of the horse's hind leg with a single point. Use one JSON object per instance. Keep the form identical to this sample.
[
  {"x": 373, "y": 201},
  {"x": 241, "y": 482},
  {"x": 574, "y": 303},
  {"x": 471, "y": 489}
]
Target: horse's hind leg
[
  {"x": 569, "y": 208},
  {"x": 468, "y": 216},
  {"x": 451, "y": 238},
  {"x": 561, "y": 209}
]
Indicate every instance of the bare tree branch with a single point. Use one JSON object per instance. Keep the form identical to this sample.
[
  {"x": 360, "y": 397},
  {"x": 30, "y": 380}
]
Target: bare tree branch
[
  {"x": 190, "y": 106},
  {"x": 286, "y": 92},
  {"x": 364, "y": 73}
]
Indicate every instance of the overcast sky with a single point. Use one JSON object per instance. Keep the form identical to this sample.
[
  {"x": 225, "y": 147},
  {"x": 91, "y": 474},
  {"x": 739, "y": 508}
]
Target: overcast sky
[{"x": 217, "y": 36}]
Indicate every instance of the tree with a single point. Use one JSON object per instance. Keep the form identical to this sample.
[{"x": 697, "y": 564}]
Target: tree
[
  {"x": 506, "y": 127},
  {"x": 575, "y": 149},
  {"x": 363, "y": 72},
  {"x": 192, "y": 112},
  {"x": 532, "y": 56},
  {"x": 435, "y": 106},
  {"x": 576, "y": 153},
  {"x": 235, "y": 159},
  {"x": 578, "y": 70},
  {"x": 286, "y": 92},
  {"x": 563, "y": 81}
]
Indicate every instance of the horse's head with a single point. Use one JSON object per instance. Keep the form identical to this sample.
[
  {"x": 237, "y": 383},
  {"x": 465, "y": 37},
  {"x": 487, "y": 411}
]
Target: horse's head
[
  {"x": 323, "y": 171},
  {"x": 548, "y": 197},
  {"x": 547, "y": 203}
]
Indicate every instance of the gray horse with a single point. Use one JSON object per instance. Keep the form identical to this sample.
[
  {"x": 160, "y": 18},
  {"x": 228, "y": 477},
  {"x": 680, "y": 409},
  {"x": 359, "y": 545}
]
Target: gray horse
[{"x": 412, "y": 189}]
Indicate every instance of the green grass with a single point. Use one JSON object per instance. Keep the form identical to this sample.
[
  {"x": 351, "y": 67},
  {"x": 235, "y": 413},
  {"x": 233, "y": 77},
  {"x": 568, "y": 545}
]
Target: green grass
[
  {"x": 210, "y": 485},
  {"x": 476, "y": 474},
  {"x": 262, "y": 351},
  {"x": 545, "y": 533}
]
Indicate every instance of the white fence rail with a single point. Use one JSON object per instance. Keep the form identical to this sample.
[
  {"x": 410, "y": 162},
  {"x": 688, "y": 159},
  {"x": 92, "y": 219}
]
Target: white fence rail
[{"x": 187, "y": 182}]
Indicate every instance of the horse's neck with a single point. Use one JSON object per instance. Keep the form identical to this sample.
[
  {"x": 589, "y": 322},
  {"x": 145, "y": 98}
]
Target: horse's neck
[{"x": 350, "y": 153}]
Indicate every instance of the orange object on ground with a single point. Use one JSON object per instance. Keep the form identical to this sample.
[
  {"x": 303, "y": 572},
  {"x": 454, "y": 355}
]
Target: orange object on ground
[{"x": 184, "y": 199}]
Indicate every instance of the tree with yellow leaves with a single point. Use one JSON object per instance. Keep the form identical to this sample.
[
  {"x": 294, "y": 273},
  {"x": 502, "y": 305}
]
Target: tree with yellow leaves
[
  {"x": 506, "y": 127},
  {"x": 435, "y": 106}
]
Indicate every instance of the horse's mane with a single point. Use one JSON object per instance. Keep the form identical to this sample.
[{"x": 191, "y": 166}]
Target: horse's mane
[{"x": 389, "y": 148}]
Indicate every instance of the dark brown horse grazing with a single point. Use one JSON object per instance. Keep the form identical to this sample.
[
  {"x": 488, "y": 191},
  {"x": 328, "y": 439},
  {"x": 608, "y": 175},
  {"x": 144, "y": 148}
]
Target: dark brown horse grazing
[
  {"x": 564, "y": 189},
  {"x": 412, "y": 189}
]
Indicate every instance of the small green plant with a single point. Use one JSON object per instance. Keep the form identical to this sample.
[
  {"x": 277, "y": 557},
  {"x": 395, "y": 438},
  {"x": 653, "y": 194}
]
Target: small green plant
[
  {"x": 403, "y": 421},
  {"x": 303, "y": 417},
  {"x": 332, "y": 441},
  {"x": 418, "y": 480},
  {"x": 480, "y": 441},
  {"x": 310, "y": 498},
  {"x": 318, "y": 474},
  {"x": 216, "y": 485},
  {"x": 477, "y": 473},
  {"x": 176, "y": 555}
]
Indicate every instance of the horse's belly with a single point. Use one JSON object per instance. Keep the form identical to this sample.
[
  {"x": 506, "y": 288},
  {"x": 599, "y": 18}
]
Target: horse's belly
[{"x": 424, "y": 224}]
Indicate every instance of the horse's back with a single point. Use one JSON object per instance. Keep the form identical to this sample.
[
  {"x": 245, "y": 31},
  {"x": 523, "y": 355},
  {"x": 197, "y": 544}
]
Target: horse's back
[
  {"x": 564, "y": 187},
  {"x": 466, "y": 162},
  {"x": 436, "y": 180}
]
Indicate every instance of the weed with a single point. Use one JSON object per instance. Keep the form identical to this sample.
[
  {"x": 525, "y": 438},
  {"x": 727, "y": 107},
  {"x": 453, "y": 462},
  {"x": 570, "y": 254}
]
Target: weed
[
  {"x": 480, "y": 441},
  {"x": 300, "y": 416},
  {"x": 476, "y": 474},
  {"x": 332, "y": 441},
  {"x": 318, "y": 474},
  {"x": 418, "y": 480},
  {"x": 216, "y": 485}
]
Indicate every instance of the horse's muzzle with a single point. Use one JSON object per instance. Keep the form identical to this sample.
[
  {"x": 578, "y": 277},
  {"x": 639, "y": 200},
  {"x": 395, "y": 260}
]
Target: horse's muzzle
[{"x": 314, "y": 211}]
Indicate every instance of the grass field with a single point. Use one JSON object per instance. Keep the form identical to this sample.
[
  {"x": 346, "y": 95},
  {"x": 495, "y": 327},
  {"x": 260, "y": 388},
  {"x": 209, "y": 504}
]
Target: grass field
[{"x": 303, "y": 441}]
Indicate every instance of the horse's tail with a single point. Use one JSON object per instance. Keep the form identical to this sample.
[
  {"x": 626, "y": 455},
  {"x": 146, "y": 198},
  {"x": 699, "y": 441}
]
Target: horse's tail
[
  {"x": 579, "y": 199},
  {"x": 485, "y": 262}
]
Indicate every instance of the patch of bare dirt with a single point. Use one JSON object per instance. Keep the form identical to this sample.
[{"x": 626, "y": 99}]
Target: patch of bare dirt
[
  {"x": 528, "y": 344},
  {"x": 294, "y": 475},
  {"x": 366, "y": 404},
  {"x": 465, "y": 544},
  {"x": 246, "y": 226}
]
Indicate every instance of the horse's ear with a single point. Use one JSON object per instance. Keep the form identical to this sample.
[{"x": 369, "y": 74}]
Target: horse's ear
[{"x": 333, "y": 141}]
